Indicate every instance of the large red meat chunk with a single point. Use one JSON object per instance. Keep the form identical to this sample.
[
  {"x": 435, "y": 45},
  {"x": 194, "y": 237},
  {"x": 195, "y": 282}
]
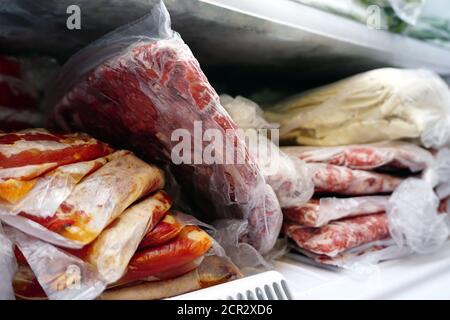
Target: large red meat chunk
[{"x": 137, "y": 90}]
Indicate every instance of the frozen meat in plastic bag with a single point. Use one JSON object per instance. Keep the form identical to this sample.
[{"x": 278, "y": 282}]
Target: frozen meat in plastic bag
[
  {"x": 382, "y": 104},
  {"x": 111, "y": 252},
  {"x": 190, "y": 244},
  {"x": 61, "y": 275},
  {"x": 329, "y": 178},
  {"x": 392, "y": 155},
  {"x": 101, "y": 197},
  {"x": 320, "y": 211},
  {"x": 168, "y": 228},
  {"x": 27, "y": 154},
  {"x": 339, "y": 236},
  {"x": 49, "y": 190},
  {"x": 140, "y": 87},
  {"x": 213, "y": 270}
]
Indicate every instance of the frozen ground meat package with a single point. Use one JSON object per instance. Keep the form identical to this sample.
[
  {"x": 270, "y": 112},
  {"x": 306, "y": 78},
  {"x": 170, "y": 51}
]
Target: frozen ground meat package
[{"x": 141, "y": 85}]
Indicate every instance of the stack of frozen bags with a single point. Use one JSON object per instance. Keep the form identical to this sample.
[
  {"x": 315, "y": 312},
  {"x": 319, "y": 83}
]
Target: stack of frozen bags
[
  {"x": 84, "y": 219},
  {"x": 352, "y": 190},
  {"x": 374, "y": 146}
]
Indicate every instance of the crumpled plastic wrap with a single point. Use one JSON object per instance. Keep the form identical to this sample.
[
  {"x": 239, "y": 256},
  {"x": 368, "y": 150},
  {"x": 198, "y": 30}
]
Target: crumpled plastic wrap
[
  {"x": 318, "y": 212},
  {"x": 137, "y": 85},
  {"x": 288, "y": 176},
  {"x": 414, "y": 219},
  {"x": 382, "y": 104},
  {"x": 8, "y": 267},
  {"x": 61, "y": 275},
  {"x": 387, "y": 155}
]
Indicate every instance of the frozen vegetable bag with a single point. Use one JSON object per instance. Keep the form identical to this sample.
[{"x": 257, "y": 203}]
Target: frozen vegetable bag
[{"x": 135, "y": 87}]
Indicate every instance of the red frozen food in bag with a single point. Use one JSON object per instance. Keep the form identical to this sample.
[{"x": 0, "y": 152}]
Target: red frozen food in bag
[
  {"x": 27, "y": 154},
  {"x": 111, "y": 252},
  {"x": 168, "y": 228},
  {"x": 318, "y": 212},
  {"x": 386, "y": 154},
  {"x": 329, "y": 178},
  {"x": 137, "y": 87},
  {"x": 190, "y": 244},
  {"x": 101, "y": 197},
  {"x": 339, "y": 236}
]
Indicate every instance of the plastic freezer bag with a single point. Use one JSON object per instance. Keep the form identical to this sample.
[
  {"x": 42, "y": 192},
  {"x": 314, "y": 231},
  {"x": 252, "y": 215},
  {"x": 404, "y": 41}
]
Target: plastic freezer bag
[
  {"x": 319, "y": 212},
  {"x": 101, "y": 197},
  {"x": 212, "y": 271},
  {"x": 329, "y": 178},
  {"x": 168, "y": 228},
  {"x": 339, "y": 236},
  {"x": 139, "y": 84},
  {"x": 288, "y": 176},
  {"x": 27, "y": 154},
  {"x": 390, "y": 155},
  {"x": 382, "y": 104},
  {"x": 190, "y": 244},
  {"x": 8, "y": 267},
  {"x": 111, "y": 252},
  {"x": 61, "y": 275},
  {"x": 48, "y": 191}
]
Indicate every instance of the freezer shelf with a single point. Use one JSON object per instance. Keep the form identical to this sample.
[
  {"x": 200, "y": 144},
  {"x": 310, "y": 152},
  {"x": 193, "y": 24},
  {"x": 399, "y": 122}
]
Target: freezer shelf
[
  {"x": 286, "y": 34},
  {"x": 414, "y": 277}
]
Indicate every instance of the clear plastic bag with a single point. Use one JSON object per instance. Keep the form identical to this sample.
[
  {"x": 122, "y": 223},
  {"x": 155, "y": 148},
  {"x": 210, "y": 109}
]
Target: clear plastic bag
[
  {"x": 113, "y": 249},
  {"x": 8, "y": 267},
  {"x": 318, "y": 212},
  {"x": 288, "y": 177},
  {"x": 339, "y": 236},
  {"x": 328, "y": 178},
  {"x": 139, "y": 84},
  {"x": 414, "y": 219},
  {"x": 61, "y": 276},
  {"x": 389, "y": 155},
  {"x": 77, "y": 212}
]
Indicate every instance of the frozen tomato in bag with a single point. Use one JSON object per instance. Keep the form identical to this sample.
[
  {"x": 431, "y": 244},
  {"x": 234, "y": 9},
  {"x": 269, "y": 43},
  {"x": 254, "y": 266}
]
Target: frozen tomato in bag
[{"x": 140, "y": 87}]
